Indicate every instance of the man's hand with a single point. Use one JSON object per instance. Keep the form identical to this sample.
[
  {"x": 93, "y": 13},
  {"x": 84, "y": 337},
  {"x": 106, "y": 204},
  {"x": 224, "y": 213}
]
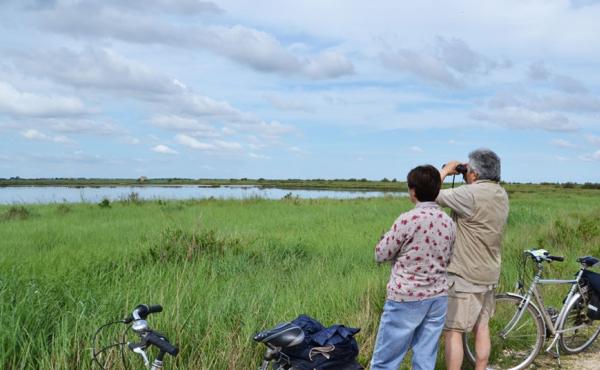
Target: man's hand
[{"x": 449, "y": 169}]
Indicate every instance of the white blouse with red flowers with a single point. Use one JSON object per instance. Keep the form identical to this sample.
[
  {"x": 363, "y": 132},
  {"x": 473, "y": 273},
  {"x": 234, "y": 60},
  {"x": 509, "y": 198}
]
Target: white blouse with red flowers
[{"x": 419, "y": 245}]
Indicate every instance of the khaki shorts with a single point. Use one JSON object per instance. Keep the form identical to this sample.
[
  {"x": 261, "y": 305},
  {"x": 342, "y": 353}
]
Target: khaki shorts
[{"x": 468, "y": 304}]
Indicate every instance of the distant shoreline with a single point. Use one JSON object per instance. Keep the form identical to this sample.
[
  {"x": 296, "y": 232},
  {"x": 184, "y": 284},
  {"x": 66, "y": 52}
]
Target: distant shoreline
[{"x": 317, "y": 184}]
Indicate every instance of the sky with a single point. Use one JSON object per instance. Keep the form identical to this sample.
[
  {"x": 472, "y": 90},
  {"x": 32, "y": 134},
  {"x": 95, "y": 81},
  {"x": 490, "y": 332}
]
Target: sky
[{"x": 298, "y": 89}]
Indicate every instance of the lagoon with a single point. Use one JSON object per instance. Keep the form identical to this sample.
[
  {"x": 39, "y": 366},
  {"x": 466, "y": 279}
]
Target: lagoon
[{"x": 65, "y": 194}]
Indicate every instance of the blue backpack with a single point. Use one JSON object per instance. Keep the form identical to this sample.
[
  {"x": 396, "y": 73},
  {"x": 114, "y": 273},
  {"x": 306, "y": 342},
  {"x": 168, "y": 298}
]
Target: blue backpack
[{"x": 324, "y": 348}]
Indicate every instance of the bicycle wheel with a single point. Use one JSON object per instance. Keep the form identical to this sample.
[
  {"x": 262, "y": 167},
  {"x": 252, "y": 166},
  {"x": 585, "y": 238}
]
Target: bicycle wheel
[
  {"x": 580, "y": 331},
  {"x": 516, "y": 349}
]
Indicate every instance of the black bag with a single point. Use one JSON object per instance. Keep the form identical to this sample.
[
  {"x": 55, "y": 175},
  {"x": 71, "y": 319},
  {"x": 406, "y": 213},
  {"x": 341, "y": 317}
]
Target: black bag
[
  {"x": 592, "y": 280},
  {"x": 324, "y": 348}
]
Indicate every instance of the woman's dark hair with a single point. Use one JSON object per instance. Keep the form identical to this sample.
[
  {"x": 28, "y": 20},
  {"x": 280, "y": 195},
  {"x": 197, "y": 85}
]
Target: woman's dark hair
[{"x": 426, "y": 182}]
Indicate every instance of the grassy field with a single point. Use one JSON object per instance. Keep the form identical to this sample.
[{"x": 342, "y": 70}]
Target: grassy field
[{"x": 224, "y": 269}]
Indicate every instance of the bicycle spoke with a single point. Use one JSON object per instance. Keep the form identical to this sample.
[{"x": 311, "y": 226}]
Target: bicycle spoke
[
  {"x": 518, "y": 347},
  {"x": 577, "y": 330}
]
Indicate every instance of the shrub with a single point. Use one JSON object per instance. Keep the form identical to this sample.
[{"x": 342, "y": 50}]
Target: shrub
[
  {"x": 176, "y": 245},
  {"x": 133, "y": 198},
  {"x": 63, "y": 209},
  {"x": 16, "y": 213},
  {"x": 104, "y": 203},
  {"x": 289, "y": 197}
]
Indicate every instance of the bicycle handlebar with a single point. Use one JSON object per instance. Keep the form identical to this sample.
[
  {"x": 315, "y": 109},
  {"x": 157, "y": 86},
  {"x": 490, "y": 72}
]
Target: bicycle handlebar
[
  {"x": 161, "y": 342},
  {"x": 142, "y": 311},
  {"x": 543, "y": 255}
]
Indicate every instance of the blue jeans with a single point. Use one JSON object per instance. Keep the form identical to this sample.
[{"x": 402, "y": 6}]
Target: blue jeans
[{"x": 404, "y": 325}]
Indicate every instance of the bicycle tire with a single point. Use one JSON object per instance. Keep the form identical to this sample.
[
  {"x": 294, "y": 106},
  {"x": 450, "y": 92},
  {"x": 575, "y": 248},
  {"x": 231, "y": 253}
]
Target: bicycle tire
[
  {"x": 577, "y": 340},
  {"x": 522, "y": 344}
]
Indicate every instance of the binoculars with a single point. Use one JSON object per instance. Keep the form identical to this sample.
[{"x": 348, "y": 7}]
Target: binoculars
[{"x": 461, "y": 168}]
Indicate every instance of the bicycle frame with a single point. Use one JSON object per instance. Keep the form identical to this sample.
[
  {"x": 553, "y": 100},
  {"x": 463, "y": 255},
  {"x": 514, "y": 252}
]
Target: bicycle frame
[{"x": 538, "y": 304}]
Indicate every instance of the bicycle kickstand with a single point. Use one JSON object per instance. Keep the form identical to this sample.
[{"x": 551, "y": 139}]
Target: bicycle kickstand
[{"x": 556, "y": 352}]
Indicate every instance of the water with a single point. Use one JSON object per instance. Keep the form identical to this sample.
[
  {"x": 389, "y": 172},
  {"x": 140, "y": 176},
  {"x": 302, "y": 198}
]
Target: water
[{"x": 60, "y": 194}]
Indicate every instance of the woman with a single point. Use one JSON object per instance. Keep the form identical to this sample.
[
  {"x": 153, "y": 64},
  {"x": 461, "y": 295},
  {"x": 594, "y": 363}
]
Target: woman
[{"x": 419, "y": 245}]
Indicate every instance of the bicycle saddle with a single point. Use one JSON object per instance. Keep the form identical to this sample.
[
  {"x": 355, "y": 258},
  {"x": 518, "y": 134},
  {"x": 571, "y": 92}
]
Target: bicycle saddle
[
  {"x": 589, "y": 261},
  {"x": 282, "y": 336}
]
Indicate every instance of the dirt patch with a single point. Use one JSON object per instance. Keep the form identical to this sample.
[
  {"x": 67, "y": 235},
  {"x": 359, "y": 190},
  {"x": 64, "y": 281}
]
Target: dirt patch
[{"x": 587, "y": 360}]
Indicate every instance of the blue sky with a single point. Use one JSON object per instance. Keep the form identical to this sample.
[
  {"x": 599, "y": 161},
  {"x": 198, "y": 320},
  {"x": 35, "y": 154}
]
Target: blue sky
[{"x": 298, "y": 89}]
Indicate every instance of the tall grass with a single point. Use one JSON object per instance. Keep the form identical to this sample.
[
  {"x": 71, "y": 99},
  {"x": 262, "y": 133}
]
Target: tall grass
[{"x": 224, "y": 270}]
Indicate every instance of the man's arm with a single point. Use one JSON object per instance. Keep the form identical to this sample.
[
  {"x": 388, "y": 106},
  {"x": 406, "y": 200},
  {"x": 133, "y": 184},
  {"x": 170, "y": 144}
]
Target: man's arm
[
  {"x": 391, "y": 243},
  {"x": 449, "y": 169},
  {"x": 460, "y": 200}
]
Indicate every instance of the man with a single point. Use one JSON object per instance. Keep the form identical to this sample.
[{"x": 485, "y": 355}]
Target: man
[{"x": 480, "y": 210}]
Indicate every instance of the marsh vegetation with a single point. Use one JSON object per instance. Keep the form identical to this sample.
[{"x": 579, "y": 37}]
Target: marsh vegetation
[{"x": 224, "y": 269}]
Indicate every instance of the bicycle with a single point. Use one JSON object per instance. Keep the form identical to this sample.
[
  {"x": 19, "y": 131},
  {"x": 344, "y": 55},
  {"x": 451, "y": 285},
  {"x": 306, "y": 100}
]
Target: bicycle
[
  {"x": 522, "y": 323},
  {"x": 148, "y": 337}
]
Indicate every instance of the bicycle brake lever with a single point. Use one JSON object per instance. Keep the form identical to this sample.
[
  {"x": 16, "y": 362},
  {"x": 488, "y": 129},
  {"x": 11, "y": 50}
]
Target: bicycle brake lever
[{"x": 139, "y": 349}]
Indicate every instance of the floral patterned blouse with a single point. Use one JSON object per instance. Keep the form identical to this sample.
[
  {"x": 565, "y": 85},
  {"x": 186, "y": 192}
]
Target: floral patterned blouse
[{"x": 419, "y": 245}]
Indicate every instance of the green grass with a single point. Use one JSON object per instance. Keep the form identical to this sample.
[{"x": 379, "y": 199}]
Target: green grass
[{"x": 225, "y": 269}]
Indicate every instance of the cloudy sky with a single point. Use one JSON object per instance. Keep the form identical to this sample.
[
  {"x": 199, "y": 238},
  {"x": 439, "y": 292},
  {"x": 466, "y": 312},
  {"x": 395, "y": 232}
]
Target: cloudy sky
[{"x": 298, "y": 89}]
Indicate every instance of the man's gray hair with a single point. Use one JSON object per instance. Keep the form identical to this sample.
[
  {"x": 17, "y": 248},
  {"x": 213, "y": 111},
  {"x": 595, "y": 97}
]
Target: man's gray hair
[{"x": 485, "y": 163}]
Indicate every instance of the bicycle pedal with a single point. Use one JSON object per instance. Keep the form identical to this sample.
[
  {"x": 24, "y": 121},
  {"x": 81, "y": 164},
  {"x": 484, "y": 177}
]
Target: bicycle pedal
[{"x": 556, "y": 355}]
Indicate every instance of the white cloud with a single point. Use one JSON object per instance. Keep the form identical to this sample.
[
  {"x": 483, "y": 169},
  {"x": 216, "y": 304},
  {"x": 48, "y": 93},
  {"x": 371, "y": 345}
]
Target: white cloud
[
  {"x": 228, "y": 145},
  {"x": 523, "y": 118},
  {"x": 546, "y": 103},
  {"x": 82, "y": 126},
  {"x": 423, "y": 66},
  {"x": 131, "y": 140},
  {"x": 163, "y": 149},
  {"x": 328, "y": 64},
  {"x": 267, "y": 130},
  {"x": 527, "y": 110},
  {"x": 33, "y": 134},
  {"x": 416, "y": 149},
  {"x": 287, "y": 104},
  {"x": 258, "y": 156},
  {"x": 218, "y": 146},
  {"x": 184, "y": 124},
  {"x": 539, "y": 72},
  {"x": 192, "y": 143},
  {"x": 449, "y": 64},
  {"x": 248, "y": 46},
  {"x": 562, "y": 143},
  {"x": 594, "y": 139},
  {"x": 26, "y": 104},
  {"x": 96, "y": 68},
  {"x": 181, "y": 7},
  {"x": 456, "y": 54},
  {"x": 228, "y": 131},
  {"x": 569, "y": 84},
  {"x": 205, "y": 106},
  {"x": 595, "y": 156},
  {"x": 263, "y": 52}
]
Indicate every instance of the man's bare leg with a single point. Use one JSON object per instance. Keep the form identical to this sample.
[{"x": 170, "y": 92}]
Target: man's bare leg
[
  {"x": 483, "y": 345},
  {"x": 453, "y": 349}
]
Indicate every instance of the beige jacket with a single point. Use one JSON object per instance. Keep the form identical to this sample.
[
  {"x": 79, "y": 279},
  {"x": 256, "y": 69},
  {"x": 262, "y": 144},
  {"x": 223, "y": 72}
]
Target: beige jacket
[{"x": 480, "y": 211}]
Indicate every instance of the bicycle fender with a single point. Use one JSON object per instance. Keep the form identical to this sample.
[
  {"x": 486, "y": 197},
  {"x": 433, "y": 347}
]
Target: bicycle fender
[
  {"x": 561, "y": 317},
  {"x": 535, "y": 307}
]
